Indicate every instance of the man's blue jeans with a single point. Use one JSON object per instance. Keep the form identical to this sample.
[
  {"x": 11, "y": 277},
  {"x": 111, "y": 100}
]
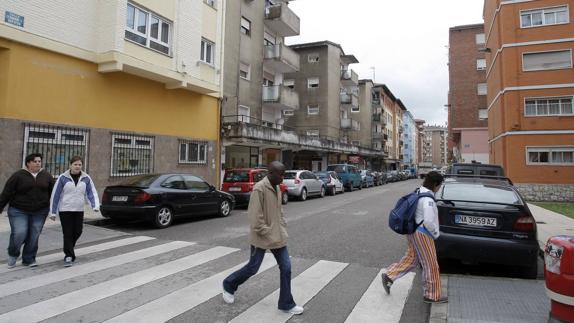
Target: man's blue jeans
[
  {"x": 25, "y": 230},
  {"x": 232, "y": 282}
]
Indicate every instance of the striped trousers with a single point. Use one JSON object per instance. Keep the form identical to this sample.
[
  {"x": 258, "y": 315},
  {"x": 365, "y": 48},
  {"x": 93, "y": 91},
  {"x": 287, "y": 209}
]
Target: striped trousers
[{"x": 420, "y": 251}]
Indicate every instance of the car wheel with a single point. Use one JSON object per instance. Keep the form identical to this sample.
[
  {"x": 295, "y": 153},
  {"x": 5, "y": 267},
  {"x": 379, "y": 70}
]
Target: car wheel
[
  {"x": 303, "y": 195},
  {"x": 361, "y": 186},
  {"x": 224, "y": 208},
  {"x": 333, "y": 191},
  {"x": 284, "y": 198},
  {"x": 163, "y": 217},
  {"x": 322, "y": 194},
  {"x": 343, "y": 190}
]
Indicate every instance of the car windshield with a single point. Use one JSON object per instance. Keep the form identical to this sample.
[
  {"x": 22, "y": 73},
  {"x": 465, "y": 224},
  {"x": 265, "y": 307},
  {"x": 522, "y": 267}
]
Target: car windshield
[
  {"x": 336, "y": 168},
  {"x": 140, "y": 180},
  {"x": 290, "y": 175},
  {"x": 236, "y": 176},
  {"x": 480, "y": 193}
]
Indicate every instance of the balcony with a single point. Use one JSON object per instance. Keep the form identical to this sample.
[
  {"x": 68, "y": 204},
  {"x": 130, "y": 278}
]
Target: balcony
[
  {"x": 376, "y": 101},
  {"x": 280, "y": 97},
  {"x": 377, "y": 135},
  {"x": 349, "y": 98},
  {"x": 350, "y": 124},
  {"x": 281, "y": 19},
  {"x": 281, "y": 58},
  {"x": 349, "y": 78},
  {"x": 377, "y": 117}
]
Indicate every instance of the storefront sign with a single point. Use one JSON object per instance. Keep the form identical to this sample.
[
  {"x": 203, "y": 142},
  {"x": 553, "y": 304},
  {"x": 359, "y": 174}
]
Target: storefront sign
[
  {"x": 14, "y": 19},
  {"x": 355, "y": 159}
]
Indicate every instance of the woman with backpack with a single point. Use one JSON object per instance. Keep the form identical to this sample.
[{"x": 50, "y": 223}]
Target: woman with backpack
[{"x": 421, "y": 248}]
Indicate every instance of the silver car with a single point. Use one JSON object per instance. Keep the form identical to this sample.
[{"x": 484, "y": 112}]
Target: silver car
[{"x": 303, "y": 183}]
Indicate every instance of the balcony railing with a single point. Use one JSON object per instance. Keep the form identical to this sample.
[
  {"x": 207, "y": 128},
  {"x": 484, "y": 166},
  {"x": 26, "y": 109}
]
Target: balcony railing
[
  {"x": 237, "y": 118},
  {"x": 349, "y": 77},
  {"x": 281, "y": 19},
  {"x": 349, "y": 98},
  {"x": 350, "y": 124},
  {"x": 281, "y": 97},
  {"x": 281, "y": 58}
]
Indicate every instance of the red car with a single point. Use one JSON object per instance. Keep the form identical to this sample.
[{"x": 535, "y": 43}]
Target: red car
[{"x": 239, "y": 182}]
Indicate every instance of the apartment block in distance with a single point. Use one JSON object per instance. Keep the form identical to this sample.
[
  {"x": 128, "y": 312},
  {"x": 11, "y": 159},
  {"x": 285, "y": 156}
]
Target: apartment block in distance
[
  {"x": 530, "y": 89},
  {"x": 435, "y": 146},
  {"x": 467, "y": 113},
  {"x": 131, "y": 86}
]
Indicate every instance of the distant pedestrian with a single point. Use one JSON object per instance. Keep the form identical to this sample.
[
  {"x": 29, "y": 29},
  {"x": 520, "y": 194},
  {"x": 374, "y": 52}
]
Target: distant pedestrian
[
  {"x": 421, "y": 249},
  {"x": 72, "y": 189},
  {"x": 28, "y": 193},
  {"x": 268, "y": 230}
]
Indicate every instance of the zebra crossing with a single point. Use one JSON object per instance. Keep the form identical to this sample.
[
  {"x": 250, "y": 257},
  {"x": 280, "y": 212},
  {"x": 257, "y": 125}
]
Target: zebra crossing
[{"x": 142, "y": 279}]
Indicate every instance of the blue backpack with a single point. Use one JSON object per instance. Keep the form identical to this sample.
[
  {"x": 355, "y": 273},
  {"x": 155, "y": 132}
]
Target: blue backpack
[{"x": 402, "y": 217}]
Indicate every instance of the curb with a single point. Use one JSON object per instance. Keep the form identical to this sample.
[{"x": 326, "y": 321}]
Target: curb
[{"x": 439, "y": 312}]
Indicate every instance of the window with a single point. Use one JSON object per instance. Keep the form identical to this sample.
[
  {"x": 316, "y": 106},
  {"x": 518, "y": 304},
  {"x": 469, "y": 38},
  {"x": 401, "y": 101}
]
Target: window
[
  {"x": 480, "y": 39},
  {"x": 313, "y": 132},
  {"x": 313, "y": 109},
  {"x": 211, "y": 3},
  {"x": 174, "y": 182},
  {"x": 56, "y": 144},
  {"x": 546, "y": 16},
  {"x": 244, "y": 115},
  {"x": 482, "y": 114},
  {"x": 207, "y": 51},
  {"x": 245, "y": 71},
  {"x": 288, "y": 112},
  {"x": 192, "y": 152},
  {"x": 548, "y": 106},
  {"x": 245, "y": 26},
  {"x": 481, "y": 89},
  {"x": 131, "y": 154},
  {"x": 356, "y": 142},
  {"x": 147, "y": 29},
  {"x": 313, "y": 58},
  {"x": 313, "y": 82},
  {"x": 196, "y": 184},
  {"x": 480, "y": 64},
  {"x": 547, "y": 60},
  {"x": 550, "y": 155},
  {"x": 355, "y": 109},
  {"x": 289, "y": 83}
]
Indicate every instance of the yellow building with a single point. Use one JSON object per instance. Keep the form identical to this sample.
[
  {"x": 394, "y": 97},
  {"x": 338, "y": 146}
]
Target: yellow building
[{"x": 132, "y": 87}]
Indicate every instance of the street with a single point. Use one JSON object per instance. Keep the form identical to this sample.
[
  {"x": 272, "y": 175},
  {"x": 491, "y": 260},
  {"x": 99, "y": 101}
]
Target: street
[{"x": 338, "y": 247}]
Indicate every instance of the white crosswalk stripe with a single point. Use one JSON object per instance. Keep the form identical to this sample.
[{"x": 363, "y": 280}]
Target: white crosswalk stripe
[
  {"x": 85, "y": 251},
  {"x": 184, "y": 296}
]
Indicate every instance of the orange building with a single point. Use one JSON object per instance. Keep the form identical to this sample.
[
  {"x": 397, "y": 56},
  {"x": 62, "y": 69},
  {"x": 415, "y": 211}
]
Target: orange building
[{"x": 530, "y": 89}]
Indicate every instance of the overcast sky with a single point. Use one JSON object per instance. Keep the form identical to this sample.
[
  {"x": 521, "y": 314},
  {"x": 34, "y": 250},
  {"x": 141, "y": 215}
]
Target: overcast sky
[{"x": 406, "y": 42}]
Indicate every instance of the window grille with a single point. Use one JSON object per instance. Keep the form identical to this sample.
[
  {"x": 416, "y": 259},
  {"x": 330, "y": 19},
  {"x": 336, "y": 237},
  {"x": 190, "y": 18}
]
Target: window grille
[
  {"x": 193, "y": 152},
  {"x": 131, "y": 154},
  {"x": 57, "y": 145}
]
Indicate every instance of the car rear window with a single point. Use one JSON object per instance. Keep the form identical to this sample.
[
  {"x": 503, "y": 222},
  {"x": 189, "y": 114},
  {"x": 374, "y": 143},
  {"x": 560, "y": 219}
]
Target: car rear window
[
  {"x": 480, "y": 193},
  {"x": 139, "y": 181},
  {"x": 290, "y": 175},
  {"x": 336, "y": 168},
  {"x": 322, "y": 175},
  {"x": 236, "y": 176}
]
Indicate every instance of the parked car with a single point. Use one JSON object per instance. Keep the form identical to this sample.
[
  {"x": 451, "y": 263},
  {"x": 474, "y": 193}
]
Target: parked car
[
  {"x": 303, "y": 183},
  {"x": 332, "y": 182},
  {"x": 239, "y": 182},
  {"x": 349, "y": 175},
  {"x": 379, "y": 177},
  {"x": 486, "y": 220},
  {"x": 367, "y": 178},
  {"x": 161, "y": 197},
  {"x": 475, "y": 169}
]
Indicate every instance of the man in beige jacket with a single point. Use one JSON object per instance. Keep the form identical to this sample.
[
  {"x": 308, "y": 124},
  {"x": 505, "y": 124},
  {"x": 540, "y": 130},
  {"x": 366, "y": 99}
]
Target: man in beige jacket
[{"x": 268, "y": 230}]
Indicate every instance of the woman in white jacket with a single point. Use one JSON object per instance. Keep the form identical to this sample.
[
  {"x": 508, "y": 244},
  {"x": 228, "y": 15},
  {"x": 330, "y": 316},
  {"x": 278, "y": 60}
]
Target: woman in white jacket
[{"x": 72, "y": 189}]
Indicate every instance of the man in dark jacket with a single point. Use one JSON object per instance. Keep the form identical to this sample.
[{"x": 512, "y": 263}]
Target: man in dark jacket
[{"x": 28, "y": 193}]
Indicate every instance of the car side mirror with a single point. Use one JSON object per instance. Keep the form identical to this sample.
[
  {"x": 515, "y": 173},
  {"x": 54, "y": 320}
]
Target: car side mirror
[{"x": 211, "y": 188}]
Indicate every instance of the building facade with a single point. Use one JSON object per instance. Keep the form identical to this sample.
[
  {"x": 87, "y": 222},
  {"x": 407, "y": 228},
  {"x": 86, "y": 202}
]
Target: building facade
[
  {"x": 467, "y": 113},
  {"x": 530, "y": 81},
  {"x": 410, "y": 136},
  {"x": 435, "y": 146},
  {"x": 122, "y": 84}
]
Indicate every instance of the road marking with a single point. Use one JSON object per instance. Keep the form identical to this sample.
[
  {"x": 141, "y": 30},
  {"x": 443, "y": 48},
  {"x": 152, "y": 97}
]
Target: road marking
[
  {"x": 376, "y": 306},
  {"x": 67, "y": 302},
  {"x": 180, "y": 301},
  {"x": 84, "y": 251},
  {"x": 305, "y": 286},
  {"x": 87, "y": 268}
]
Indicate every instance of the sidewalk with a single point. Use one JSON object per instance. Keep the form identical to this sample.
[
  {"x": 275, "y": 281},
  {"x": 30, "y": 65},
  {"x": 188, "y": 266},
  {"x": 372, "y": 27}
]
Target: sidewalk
[{"x": 495, "y": 299}]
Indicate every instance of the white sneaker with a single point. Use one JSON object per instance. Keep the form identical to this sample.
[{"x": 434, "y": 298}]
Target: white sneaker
[
  {"x": 228, "y": 297},
  {"x": 12, "y": 261},
  {"x": 67, "y": 261},
  {"x": 296, "y": 310}
]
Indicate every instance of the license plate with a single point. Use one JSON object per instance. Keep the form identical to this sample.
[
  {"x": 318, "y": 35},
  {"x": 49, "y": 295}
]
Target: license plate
[
  {"x": 475, "y": 220},
  {"x": 119, "y": 198},
  {"x": 235, "y": 189}
]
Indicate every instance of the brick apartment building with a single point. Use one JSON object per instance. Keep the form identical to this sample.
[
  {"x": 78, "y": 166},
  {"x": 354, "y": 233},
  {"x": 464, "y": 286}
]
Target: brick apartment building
[
  {"x": 467, "y": 114},
  {"x": 530, "y": 81}
]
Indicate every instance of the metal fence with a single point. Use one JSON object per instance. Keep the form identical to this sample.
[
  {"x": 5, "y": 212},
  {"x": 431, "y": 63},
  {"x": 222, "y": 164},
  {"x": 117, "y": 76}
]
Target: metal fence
[
  {"x": 56, "y": 144},
  {"x": 132, "y": 154}
]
